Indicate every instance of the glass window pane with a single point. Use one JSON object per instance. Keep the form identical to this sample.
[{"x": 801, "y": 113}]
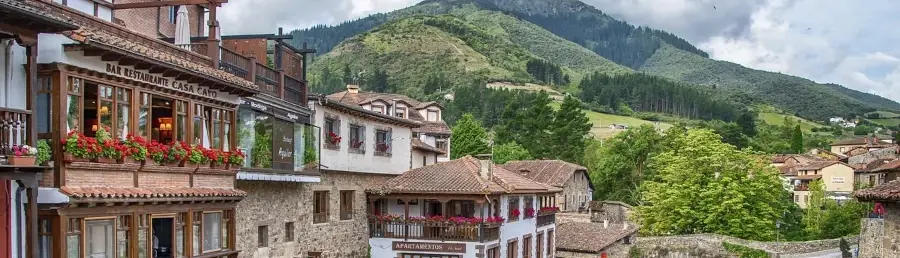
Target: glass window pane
[
  {"x": 246, "y": 136},
  {"x": 106, "y": 109},
  {"x": 298, "y": 147},
  {"x": 181, "y": 127},
  {"x": 311, "y": 145},
  {"x": 73, "y": 246},
  {"x": 226, "y": 141},
  {"x": 124, "y": 118},
  {"x": 212, "y": 235},
  {"x": 142, "y": 243},
  {"x": 196, "y": 240},
  {"x": 262, "y": 147},
  {"x": 43, "y": 112},
  {"x": 99, "y": 238},
  {"x": 72, "y": 120}
]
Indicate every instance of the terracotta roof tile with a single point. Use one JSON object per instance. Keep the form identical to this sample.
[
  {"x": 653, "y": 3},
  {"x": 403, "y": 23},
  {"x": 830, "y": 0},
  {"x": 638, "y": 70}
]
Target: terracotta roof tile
[
  {"x": 460, "y": 176},
  {"x": 788, "y": 170},
  {"x": 590, "y": 237},
  {"x": 149, "y": 193},
  {"x": 892, "y": 165},
  {"x": 361, "y": 98},
  {"x": 809, "y": 177},
  {"x": 430, "y": 127},
  {"x": 419, "y": 144},
  {"x": 816, "y": 165},
  {"x": 90, "y": 35},
  {"x": 551, "y": 172},
  {"x": 889, "y": 191},
  {"x": 872, "y": 166},
  {"x": 869, "y": 141},
  {"x": 24, "y": 8}
]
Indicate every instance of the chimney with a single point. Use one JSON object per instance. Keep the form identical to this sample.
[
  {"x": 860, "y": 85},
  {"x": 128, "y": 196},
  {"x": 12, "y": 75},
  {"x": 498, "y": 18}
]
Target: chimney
[
  {"x": 393, "y": 108},
  {"x": 486, "y": 163},
  {"x": 625, "y": 225},
  {"x": 352, "y": 88},
  {"x": 605, "y": 223}
]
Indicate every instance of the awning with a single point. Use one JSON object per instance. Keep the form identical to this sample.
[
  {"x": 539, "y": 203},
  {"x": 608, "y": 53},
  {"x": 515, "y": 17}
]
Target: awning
[{"x": 255, "y": 176}]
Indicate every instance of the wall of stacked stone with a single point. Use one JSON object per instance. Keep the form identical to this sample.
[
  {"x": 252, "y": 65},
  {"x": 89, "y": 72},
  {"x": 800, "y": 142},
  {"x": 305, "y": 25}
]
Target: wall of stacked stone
[
  {"x": 566, "y": 217},
  {"x": 880, "y": 238},
  {"x": 705, "y": 245}
]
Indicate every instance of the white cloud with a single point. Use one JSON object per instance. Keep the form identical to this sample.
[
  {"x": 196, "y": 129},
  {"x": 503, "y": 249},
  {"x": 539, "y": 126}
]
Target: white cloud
[{"x": 265, "y": 16}]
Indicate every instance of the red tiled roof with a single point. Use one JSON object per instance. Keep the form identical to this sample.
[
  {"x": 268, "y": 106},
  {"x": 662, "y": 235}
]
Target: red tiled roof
[
  {"x": 590, "y": 237},
  {"x": 892, "y": 165},
  {"x": 788, "y": 170},
  {"x": 551, "y": 172},
  {"x": 361, "y": 98},
  {"x": 431, "y": 127},
  {"x": 889, "y": 191},
  {"x": 149, "y": 192},
  {"x": 461, "y": 176},
  {"x": 419, "y": 144},
  {"x": 816, "y": 165},
  {"x": 871, "y": 166},
  {"x": 357, "y": 110},
  {"x": 35, "y": 15}
]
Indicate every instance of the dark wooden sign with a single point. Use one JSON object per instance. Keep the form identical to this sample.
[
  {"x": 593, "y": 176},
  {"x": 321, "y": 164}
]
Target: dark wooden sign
[
  {"x": 429, "y": 247},
  {"x": 283, "y": 145}
]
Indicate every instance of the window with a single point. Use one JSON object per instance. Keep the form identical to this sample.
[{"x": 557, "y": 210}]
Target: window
[
  {"x": 529, "y": 205},
  {"x": 173, "y": 14},
  {"x": 122, "y": 235},
  {"x": 400, "y": 112},
  {"x": 289, "y": 231},
  {"x": 44, "y": 108},
  {"x": 842, "y": 149},
  {"x": 378, "y": 109},
  {"x": 442, "y": 145},
  {"x": 796, "y": 198},
  {"x": 143, "y": 119},
  {"x": 123, "y": 112},
  {"x": 382, "y": 143},
  {"x": 332, "y": 132},
  {"x": 73, "y": 104},
  {"x": 99, "y": 235},
  {"x": 347, "y": 205},
  {"x": 514, "y": 210},
  {"x": 73, "y": 238},
  {"x": 433, "y": 115},
  {"x": 314, "y": 254},
  {"x": 512, "y": 248},
  {"x": 212, "y": 231},
  {"x": 255, "y": 132},
  {"x": 526, "y": 247},
  {"x": 181, "y": 121},
  {"x": 550, "y": 240},
  {"x": 626, "y": 240},
  {"x": 45, "y": 239},
  {"x": 104, "y": 107},
  {"x": 208, "y": 126},
  {"x": 262, "y": 236},
  {"x": 320, "y": 207},
  {"x": 357, "y": 139},
  {"x": 493, "y": 252},
  {"x": 539, "y": 247},
  {"x": 424, "y": 161}
]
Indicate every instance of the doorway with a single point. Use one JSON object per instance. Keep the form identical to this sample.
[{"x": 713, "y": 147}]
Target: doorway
[{"x": 163, "y": 237}]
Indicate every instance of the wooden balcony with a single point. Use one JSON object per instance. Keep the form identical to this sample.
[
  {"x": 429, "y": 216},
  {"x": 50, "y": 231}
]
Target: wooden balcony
[
  {"x": 13, "y": 129},
  {"x": 546, "y": 219},
  {"x": 482, "y": 232},
  {"x": 276, "y": 83}
]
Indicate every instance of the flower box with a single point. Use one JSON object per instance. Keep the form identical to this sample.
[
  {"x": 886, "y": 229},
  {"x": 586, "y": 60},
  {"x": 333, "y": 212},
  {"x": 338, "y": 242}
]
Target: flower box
[
  {"x": 21, "y": 160},
  {"x": 105, "y": 160},
  {"x": 69, "y": 158}
]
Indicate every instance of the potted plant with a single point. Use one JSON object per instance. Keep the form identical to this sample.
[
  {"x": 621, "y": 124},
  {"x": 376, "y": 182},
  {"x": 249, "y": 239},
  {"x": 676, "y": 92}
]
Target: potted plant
[
  {"x": 109, "y": 152},
  {"x": 515, "y": 214},
  {"x": 195, "y": 155},
  {"x": 45, "y": 153},
  {"x": 177, "y": 155},
  {"x": 494, "y": 220},
  {"x": 137, "y": 148},
  {"x": 158, "y": 152},
  {"x": 214, "y": 157},
  {"x": 529, "y": 212},
  {"x": 235, "y": 159},
  {"x": 79, "y": 148},
  {"x": 333, "y": 138},
  {"x": 382, "y": 147},
  {"x": 23, "y": 155}
]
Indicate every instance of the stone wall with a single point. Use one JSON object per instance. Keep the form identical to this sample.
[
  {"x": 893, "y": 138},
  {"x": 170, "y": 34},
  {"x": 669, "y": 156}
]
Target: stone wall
[
  {"x": 576, "y": 193},
  {"x": 564, "y": 217},
  {"x": 710, "y": 245},
  {"x": 880, "y": 238},
  {"x": 273, "y": 204},
  {"x": 614, "y": 212}
]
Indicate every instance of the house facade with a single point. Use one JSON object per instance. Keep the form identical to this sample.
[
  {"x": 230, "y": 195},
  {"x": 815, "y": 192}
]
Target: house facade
[
  {"x": 20, "y": 27},
  {"x": 879, "y": 237},
  {"x": 577, "y": 188},
  {"x": 592, "y": 239},
  {"x": 463, "y": 208},
  {"x": 432, "y": 130},
  {"x": 858, "y": 145},
  {"x": 837, "y": 178},
  {"x": 360, "y": 149}
]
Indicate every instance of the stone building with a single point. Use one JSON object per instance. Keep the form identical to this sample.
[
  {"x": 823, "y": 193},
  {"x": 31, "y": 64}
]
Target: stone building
[
  {"x": 592, "y": 240},
  {"x": 463, "y": 208},
  {"x": 572, "y": 178},
  {"x": 610, "y": 212},
  {"x": 880, "y": 237}
]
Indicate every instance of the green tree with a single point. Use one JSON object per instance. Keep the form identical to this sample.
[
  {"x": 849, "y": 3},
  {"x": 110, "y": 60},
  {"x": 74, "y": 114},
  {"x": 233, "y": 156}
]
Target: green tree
[
  {"x": 797, "y": 140},
  {"x": 510, "y": 151},
  {"x": 815, "y": 207},
  {"x": 706, "y": 186},
  {"x": 747, "y": 122},
  {"x": 348, "y": 75},
  {"x": 845, "y": 249},
  {"x": 378, "y": 82},
  {"x": 469, "y": 138},
  {"x": 618, "y": 166},
  {"x": 570, "y": 128},
  {"x": 527, "y": 120}
]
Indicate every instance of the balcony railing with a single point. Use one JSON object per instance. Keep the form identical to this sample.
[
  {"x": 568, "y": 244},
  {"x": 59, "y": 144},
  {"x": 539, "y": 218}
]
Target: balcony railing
[
  {"x": 13, "y": 129},
  {"x": 267, "y": 79},
  {"x": 199, "y": 48},
  {"x": 801, "y": 188},
  {"x": 235, "y": 63},
  {"x": 481, "y": 232},
  {"x": 546, "y": 219}
]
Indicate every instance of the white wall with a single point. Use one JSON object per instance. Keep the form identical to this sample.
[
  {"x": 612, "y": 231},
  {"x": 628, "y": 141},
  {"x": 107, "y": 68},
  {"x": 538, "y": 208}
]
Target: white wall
[
  {"x": 417, "y": 157},
  {"x": 12, "y": 77},
  {"x": 381, "y": 247},
  {"x": 343, "y": 160},
  {"x": 518, "y": 229}
]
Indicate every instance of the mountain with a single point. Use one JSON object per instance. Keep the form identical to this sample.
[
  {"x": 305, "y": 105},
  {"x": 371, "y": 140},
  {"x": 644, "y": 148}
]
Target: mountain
[{"x": 563, "y": 33}]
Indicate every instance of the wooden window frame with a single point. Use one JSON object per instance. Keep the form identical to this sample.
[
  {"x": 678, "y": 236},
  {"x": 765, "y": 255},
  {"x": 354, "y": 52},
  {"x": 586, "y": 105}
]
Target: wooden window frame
[
  {"x": 513, "y": 204},
  {"x": 528, "y": 203},
  {"x": 361, "y": 149},
  {"x": 512, "y": 248},
  {"x": 289, "y": 231},
  {"x": 526, "y": 246},
  {"x": 539, "y": 245},
  {"x": 387, "y": 141},
  {"x": 347, "y": 198},
  {"x": 320, "y": 213},
  {"x": 262, "y": 236},
  {"x": 334, "y": 128},
  {"x": 550, "y": 240}
]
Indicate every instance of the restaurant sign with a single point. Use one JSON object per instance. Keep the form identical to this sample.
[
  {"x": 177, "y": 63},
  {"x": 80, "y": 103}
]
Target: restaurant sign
[
  {"x": 429, "y": 247},
  {"x": 171, "y": 83}
]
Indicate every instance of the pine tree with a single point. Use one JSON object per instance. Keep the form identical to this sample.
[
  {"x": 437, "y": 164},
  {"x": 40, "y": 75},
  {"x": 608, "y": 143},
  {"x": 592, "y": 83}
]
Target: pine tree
[
  {"x": 469, "y": 138},
  {"x": 536, "y": 123},
  {"x": 797, "y": 140},
  {"x": 510, "y": 151},
  {"x": 570, "y": 129},
  {"x": 348, "y": 75}
]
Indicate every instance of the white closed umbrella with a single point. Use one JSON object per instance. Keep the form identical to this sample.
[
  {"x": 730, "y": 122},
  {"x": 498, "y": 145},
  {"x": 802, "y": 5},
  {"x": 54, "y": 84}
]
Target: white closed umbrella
[{"x": 183, "y": 28}]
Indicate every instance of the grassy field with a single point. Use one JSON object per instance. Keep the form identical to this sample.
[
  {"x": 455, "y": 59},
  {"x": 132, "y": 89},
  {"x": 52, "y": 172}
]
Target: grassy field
[
  {"x": 602, "y": 121},
  {"x": 887, "y": 114},
  {"x": 889, "y": 122},
  {"x": 778, "y": 119}
]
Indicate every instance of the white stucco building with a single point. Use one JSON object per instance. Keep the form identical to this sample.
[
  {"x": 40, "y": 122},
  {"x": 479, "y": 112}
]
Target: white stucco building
[{"x": 463, "y": 208}]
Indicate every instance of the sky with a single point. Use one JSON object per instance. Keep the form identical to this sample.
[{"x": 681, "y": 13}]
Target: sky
[{"x": 852, "y": 43}]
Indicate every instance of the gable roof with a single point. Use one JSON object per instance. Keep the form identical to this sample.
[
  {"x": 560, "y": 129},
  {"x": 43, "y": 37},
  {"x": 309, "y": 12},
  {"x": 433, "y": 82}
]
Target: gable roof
[
  {"x": 871, "y": 166},
  {"x": 588, "y": 237},
  {"x": 788, "y": 170},
  {"x": 816, "y": 165},
  {"x": 461, "y": 176},
  {"x": 889, "y": 191},
  {"x": 420, "y": 145},
  {"x": 362, "y": 98},
  {"x": 432, "y": 127},
  {"x": 550, "y": 172},
  {"x": 892, "y": 165},
  {"x": 869, "y": 141},
  {"x": 359, "y": 111}
]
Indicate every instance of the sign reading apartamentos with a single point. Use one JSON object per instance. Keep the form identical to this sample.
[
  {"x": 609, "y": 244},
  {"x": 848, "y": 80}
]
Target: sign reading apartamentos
[
  {"x": 429, "y": 247},
  {"x": 160, "y": 81}
]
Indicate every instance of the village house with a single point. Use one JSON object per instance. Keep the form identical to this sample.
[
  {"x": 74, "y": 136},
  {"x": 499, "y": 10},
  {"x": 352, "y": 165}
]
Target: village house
[
  {"x": 837, "y": 178},
  {"x": 572, "y": 178},
  {"x": 433, "y": 131},
  {"x": 873, "y": 173},
  {"x": 463, "y": 208},
  {"x": 592, "y": 240},
  {"x": 114, "y": 74},
  {"x": 857, "y": 146},
  {"x": 20, "y": 26},
  {"x": 880, "y": 237}
]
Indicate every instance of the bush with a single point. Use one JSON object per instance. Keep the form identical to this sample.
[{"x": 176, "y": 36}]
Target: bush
[
  {"x": 634, "y": 252},
  {"x": 44, "y": 152},
  {"x": 744, "y": 252},
  {"x": 647, "y": 116}
]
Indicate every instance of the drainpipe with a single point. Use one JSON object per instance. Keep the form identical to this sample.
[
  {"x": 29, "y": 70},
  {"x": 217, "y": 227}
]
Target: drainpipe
[
  {"x": 7, "y": 75},
  {"x": 20, "y": 214}
]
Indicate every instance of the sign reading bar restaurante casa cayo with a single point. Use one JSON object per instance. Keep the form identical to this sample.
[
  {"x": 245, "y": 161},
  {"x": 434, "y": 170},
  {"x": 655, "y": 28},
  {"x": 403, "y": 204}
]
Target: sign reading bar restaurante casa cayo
[
  {"x": 429, "y": 247},
  {"x": 160, "y": 81}
]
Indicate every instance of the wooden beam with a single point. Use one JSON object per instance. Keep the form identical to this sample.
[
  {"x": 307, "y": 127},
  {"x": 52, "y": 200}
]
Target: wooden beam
[
  {"x": 109, "y": 57},
  {"x": 127, "y": 61},
  {"x": 166, "y": 3},
  {"x": 170, "y": 73},
  {"x": 94, "y": 52},
  {"x": 143, "y": 66},
  {"x": 158, "y": 69}
]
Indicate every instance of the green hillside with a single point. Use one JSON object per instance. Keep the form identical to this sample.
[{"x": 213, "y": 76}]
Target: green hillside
[{"x": 601, "y": 123}]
